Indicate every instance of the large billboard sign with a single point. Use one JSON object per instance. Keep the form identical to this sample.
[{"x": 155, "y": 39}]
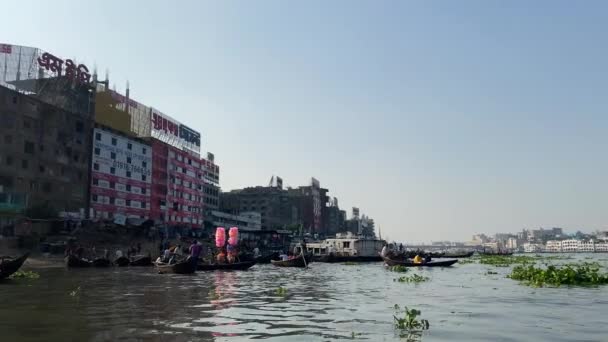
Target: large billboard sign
[{"x": 174, "y": 133}]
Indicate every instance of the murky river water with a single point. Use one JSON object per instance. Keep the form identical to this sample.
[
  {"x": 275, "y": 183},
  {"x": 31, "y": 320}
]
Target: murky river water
[{"x": 323, "y": 303}]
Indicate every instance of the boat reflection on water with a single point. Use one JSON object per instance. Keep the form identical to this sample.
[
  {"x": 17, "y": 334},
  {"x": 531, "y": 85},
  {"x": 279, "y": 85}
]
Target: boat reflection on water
[{"x": 222, "y": 294}]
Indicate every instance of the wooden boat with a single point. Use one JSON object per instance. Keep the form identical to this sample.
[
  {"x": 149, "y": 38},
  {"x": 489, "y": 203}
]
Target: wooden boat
[
  {"x": 122, "y": 261},
  {"x": 9, "y": 266},
  {"x": 102, "y": 262},
  {"x": 442, "y": 263},
  {"x": 182, "y": 267},
  {"x": 347, "y": 258},
  {"x": 141, "y": 260},
  {"x": 76, "y": 262},
  {"x": 241, "y": 266},
  {"x": 503, "y": 253},
  {"x": 295, "y": 262},
  {"x": 265, "y": 259},
  {"x": 458, "y": 255}
]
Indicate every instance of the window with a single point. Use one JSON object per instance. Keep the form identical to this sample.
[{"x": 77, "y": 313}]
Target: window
[
  {"x": 28, "y": 147},
  {"x": 143, "y": 205},
  {"x": 128, "y": 202},
  {"x": 128, "y": 174},
  {"x": 95, "y": 181},
  {"x": 94, "y": 198},
  {"x": 76, "y": 157},
  {"x": 114, "y": 141},
  {"x": 189, "y": 161},
  {"x": 112, "y": 185},
  {"x": 129, "y": 146},
  {"x": 98, "y": 136},
  {"x": 79, "y": 126},
  {"x": 8, "y": 139},
  {"x": 143, "y": 178},
  {"x": 24, "y": 164},
  {"x": 46, "y": 187},
  {"x": 128, "y": 160},
  {"x": 42, "y": 168},
  {"x": 112, "y": 155},
  {"x": 346, "y": 244},
  {"x": 144, "y": 164},
  {"x": 97, "y": 151},
  {"x": 111, "y": 200},
  {"x": 143, "y": 150},
  {"x": 9, "y": 160},
  {"x": 112, "y": 170},
  {"x": 26, "y": 124},
  {"x": 41, "y": 148},
  {"x": 128, "y": 187},
  {"x": 96, "y": 167}
]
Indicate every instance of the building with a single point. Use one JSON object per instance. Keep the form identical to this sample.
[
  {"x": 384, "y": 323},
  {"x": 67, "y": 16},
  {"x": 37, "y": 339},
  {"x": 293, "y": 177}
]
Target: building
[
  {"x": 335, "y": 218},
  {"x": 570, "y": 245},
  {"x": 311, "y": 202},
  {"x": 553, "y": 246},
  {"x": 601, "y": 247},
  {"x": 512, "y": 243},
  {"x": 272, "y": 202},
  {"x": 586, "y": 246},
  {"x": 532, "y": 248},
  {"x": 46, "y": 123},
  {"x": 121, "y": 176},
  {"x": 248, "y": 220}
]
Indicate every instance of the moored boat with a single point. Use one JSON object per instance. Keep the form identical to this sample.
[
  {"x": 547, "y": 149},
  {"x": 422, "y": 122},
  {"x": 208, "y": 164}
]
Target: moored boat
[
  {"x": 442, "y": 263},
  {"x": 102, "y": 262},
  {"x": 76, "y": 262},
  {"x": 299, "y": 261},
  {"x": 241, "y": 266},
  {"x": 141, "y": 260},
  {"x": 122, "y": 261},
  {"x": 9, "y": 266},
  {"x": 265, "y": 259},
  {"x": 183, "y": 267}
]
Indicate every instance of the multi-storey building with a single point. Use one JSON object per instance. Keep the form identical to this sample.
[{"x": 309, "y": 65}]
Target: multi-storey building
[
  {"x": 121, "y": 176},
  {"x": 45, "y": 129},
  {"x": 569, "y": 245},
  {"x": 586, "y": 246},
  {"x": 553, "y": 246}
]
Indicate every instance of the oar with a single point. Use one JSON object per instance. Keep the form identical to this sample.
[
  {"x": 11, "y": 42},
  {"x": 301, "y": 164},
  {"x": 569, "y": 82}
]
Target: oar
[{"x": 303, "y": 255}]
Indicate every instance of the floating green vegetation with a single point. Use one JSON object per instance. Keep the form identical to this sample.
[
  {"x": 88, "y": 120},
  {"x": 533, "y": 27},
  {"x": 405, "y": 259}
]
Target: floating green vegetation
[
  {"x": 411, "y": 279},
  {"x": 350, "y": 263},
  {"x": 410, "y": 321},
  {"x": 281, "y": 291},
  {"x": 585, "y": 274},
  {"x": 467, "y": 261},
  {"x": 25, "y": 275},
  {"x": 398, "y": 268},
  {"x": 506, "y": 260},
  {"x": 354, "y": 334}
]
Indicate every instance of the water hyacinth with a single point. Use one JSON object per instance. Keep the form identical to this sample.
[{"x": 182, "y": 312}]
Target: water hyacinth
[
  {"x": 411, "y": 279},
  {"x": 25, "y": 274},
  {"x": 585, "y": 274},
  {"x": 398, "y": 268}
]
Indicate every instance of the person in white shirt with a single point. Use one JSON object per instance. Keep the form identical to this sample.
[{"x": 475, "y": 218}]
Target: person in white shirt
[{"x": 384, "y": 251}]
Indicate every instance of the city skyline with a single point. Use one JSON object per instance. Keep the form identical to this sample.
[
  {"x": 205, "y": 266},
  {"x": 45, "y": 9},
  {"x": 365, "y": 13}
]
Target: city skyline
[{"x": 438, "y": 121}]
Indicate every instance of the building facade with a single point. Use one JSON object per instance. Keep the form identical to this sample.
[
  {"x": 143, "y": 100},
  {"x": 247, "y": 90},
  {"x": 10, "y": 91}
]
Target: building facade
[{"x": 121, "y": 176}]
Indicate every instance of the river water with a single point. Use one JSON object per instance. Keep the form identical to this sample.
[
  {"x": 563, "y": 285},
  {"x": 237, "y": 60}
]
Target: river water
[{"x": 323, "y": 303}]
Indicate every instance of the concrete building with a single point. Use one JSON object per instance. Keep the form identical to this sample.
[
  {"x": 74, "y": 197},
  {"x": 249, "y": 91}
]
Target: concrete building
[
  {"x": 44, "y": 151},
  {"x": 121, "y": 176},
  {"x": 247, "y": 220},
  {"x": 532, "y": 248},
  {"x": 272, "y": 202},
  {"x": 570, "y": 245},
  {"x": 553, "y": 246},
  {"x": 311, "y": 204}
]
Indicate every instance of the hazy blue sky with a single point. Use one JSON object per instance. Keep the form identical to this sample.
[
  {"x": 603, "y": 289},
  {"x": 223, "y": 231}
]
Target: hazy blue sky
[{"x": 439, "y": 119}]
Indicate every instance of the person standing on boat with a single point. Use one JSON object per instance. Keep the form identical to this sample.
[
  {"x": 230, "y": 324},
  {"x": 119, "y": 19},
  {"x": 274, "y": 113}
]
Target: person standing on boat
[
  {"x": 195, "y": 251},
  {"x": 384, "y": 251}
]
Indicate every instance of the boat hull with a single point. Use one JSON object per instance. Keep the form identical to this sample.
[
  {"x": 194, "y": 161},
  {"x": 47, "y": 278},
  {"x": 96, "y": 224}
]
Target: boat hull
[
  {"x": 141, "y": 261},
  {"x": 7, "y": 268},
  {"x": 73, "y": 261},
  {"x": 238, "y": 266},
  {"x": 296, "y": 262},
  {"x": 185, "y": 267},
  {"x": 442, "y": 263},
  {"x": 122, "y": 261}
]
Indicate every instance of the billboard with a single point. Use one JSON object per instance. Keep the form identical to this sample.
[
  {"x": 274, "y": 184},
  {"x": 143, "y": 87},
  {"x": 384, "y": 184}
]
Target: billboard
[{"x": 174, "y": 133}]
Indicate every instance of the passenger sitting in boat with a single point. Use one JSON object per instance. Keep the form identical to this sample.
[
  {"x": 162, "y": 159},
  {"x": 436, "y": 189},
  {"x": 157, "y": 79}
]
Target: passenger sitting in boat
[
  {"x": 166, "y": 255},
  {"x": 256, "y": 252},
  {"x": 418, "y": 259},
  {"x": 284, "y": 257},
  {"x": 427, "y": 258},
  {"x": 221, "y": 258}
]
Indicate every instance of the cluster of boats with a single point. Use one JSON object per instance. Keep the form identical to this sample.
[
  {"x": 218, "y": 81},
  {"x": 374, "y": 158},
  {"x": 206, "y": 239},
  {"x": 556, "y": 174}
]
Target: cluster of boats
[{"x": 10, "y": 265}]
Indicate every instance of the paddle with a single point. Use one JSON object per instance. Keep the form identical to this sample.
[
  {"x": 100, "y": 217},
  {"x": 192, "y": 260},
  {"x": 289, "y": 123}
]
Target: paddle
[{"x": 303, "y": 255}]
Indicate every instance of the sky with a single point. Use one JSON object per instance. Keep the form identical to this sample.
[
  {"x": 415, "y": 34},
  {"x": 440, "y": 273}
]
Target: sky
[{"x": 438, "y": 119}]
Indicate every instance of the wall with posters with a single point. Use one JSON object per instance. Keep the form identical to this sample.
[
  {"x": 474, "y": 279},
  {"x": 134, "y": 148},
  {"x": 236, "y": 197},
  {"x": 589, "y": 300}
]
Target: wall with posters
[
  {"x": 174, "y": 133},
  {"x": 121, "y": 176}
]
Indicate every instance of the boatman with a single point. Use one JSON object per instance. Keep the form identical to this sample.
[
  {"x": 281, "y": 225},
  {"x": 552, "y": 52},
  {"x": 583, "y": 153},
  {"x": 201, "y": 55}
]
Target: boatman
[{"x": 195, "y": 251}]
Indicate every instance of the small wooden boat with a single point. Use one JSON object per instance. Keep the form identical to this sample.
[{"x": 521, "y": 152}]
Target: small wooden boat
[
  {"x": 265, "y": 259},
  {"x": 122, "y": 261},
  {"x": 458, "y": 255},
  {"x": 241, "y": 266},
  {"x": 102, "y": 262},
  {"x": 76, "y": 262},
  {"x": 295, "y": 262},
  {"x": 182, "y": 267},
  {"x": 141, "y": 260},
  {"x": 9, "y": 266},
  {"x": 346, "y": 258},
  {"x": 442, "y": 263}
]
